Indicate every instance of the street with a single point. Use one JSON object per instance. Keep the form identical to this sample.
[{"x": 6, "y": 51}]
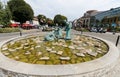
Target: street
[{"x": 5, "y": 36}]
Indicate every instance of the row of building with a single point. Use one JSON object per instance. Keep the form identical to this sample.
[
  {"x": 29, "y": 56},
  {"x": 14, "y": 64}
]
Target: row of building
[{"x": 95, "y": 18}]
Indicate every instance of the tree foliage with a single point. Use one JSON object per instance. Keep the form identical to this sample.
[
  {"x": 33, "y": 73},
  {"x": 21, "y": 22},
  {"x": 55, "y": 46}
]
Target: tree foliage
[
  {"x": 60, "y": 20},
  {"x": 5, "y": 15},
  {"x": 21, "y": 11},
  {"x": 42, "y": 19},
  {"x": 1, "y": 6},
  {"x": 50, "y": 22},
  {"x": 1, "y": 13},
  {"x": 14, "y": 4}
]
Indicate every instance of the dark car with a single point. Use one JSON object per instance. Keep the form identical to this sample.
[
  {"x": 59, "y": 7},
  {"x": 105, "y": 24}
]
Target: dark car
[
  {"x": 98, "y": 29},
  {"x": 102, "y": 30}
]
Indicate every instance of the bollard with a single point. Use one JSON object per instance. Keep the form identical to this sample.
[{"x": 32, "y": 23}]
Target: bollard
[
  {"x": 81, "y": 32},
  {"x": 20, "y": 33},
  {"x": 117, "y": 40},
  {"x": 113, "y": 33}
]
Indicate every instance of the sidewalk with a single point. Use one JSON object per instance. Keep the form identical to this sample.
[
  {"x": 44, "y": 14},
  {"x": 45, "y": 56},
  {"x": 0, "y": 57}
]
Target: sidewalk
[
  {"x": 23, "y": 32},
  {"x": 4, "y": 36},
  {"x": 31, "y": 30},
  {"x": 112, "y": 33}
]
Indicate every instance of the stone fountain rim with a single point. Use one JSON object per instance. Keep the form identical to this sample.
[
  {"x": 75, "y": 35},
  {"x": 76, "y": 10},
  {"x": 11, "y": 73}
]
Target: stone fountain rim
[{"x": 61, "y": 70}]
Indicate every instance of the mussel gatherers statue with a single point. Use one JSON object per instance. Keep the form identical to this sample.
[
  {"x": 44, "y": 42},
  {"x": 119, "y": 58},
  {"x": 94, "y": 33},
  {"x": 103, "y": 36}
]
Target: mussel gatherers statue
[
  {"x": 57, "y": 33},
  {"x": 68, "y": 30}
]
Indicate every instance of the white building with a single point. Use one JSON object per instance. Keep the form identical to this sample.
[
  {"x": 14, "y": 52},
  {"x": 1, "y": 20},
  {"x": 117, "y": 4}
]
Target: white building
[{"x": 35, "y": 21}]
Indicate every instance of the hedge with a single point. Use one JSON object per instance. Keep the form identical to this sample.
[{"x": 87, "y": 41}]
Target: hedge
[{"x": 8, "y": 30}]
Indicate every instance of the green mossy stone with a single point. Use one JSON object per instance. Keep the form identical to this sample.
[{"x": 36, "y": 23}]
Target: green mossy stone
[
  {"x": 10, "y": 56},
  {"x": 34, "y": 61},
  {"x": 49, "y": 62},
  {"x": 56, "y": 62},
  {"x": 64, "y": 54},
  {"x": 15, "y": 53},
  {"x": 52, "y": 55},
  {"x": 46, "y": 54},
  {"x": 57, "y": 57},
  {"x": 6, "y": 51},
  {"x": 73, "y": 61},
  {"x": 80, "y": 59},
  {"x": 63, "y": 62},
  {"x": 77, "y": 61},
  {"x": 31, "y": 58},
  {"x": 68, "y": 62},
  {"x": 99, "y": 55},
  {"x": 24, "y": 60},
  {"x": 73, "y": 56},
  {"x": 41, "y": 62},
  {"x": 33, "y": 52},
  {"x": 86, "y": 59}
]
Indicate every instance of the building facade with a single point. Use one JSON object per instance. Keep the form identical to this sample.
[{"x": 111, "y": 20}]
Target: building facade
[
  {"x": 77, "y": 23},
  {"x": 87, "y": 18},
  {"x": 35, "y": 21},
  {"x": 110, "y": 17}
]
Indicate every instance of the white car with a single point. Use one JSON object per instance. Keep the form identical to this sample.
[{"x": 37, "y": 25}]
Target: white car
[{"x": 93, "y": 29}]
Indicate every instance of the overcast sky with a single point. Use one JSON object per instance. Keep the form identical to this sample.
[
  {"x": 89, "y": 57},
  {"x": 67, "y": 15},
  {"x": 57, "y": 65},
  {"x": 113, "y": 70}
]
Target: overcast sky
[{"x": 71, "y": 8}]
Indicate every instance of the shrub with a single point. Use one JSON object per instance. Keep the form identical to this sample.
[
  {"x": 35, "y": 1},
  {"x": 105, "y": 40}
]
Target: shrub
[
  {"x": 117, "y": 29},
  {"x": 8, "y": 30},
  {"x": 83, "y": 29}
]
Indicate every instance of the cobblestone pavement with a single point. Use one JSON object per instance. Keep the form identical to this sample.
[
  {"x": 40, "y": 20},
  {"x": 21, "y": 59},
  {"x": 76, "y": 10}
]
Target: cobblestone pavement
[{"x": 115, "y": 72}]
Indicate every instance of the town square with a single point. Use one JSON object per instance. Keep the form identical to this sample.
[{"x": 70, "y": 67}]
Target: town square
[{"x": 59, "y": 38}]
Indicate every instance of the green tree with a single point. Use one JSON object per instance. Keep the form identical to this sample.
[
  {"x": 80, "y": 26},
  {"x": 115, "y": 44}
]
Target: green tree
[
  {"x": 14, "y": 4},
  {"x": 42, "y": 19},
  {"x": 50, "y": 22},
  {"x": 60, "y": 20},
  {"x": 5, "y": 15},
  {"x": 1, "y": 6},
  {"x": 21, "y": 11},
  {"x": 1, "y": 13}
]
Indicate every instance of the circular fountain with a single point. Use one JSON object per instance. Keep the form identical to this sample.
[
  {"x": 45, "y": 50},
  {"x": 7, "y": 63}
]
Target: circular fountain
[
  {"x": 33, "y": 56},
  {"x": 33, "y": 50},
  {"x": 81, "y": 56}
]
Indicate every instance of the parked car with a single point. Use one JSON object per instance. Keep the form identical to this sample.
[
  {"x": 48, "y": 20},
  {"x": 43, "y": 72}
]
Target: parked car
[
  {"x": 102, "y": 30},
  {"x": 98, "y": 29},
  {"x": 93, "y": 29}
]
